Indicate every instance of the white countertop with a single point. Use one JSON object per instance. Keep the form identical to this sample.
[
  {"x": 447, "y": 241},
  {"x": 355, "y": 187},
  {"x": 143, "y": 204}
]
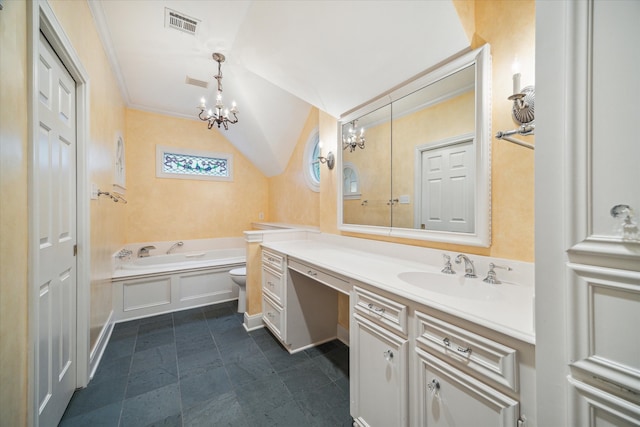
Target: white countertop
[{"x": 506, "y": 308}]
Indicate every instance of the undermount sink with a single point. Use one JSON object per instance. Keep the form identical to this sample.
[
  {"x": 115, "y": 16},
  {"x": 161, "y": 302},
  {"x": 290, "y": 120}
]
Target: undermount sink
[{"x": 453, "y": 285}]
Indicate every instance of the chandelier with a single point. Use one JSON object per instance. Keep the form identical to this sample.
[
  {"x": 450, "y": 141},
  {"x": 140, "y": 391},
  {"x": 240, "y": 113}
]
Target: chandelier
[
  {"x": 353, "y": 139},
  {"x": 219, "y": 115}
]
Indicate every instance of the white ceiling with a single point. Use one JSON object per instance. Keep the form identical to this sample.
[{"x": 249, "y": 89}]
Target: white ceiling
[{"x": 282, "y": 58}]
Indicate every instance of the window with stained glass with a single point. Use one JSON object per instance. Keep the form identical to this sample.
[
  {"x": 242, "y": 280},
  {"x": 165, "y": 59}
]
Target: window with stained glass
[{"x": 193, "y": 164}]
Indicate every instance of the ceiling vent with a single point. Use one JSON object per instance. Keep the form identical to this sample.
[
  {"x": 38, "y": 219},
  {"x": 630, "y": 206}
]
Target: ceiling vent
[
  {"x": 180, "y": 21},
  {"x": 196, "y": 82}
]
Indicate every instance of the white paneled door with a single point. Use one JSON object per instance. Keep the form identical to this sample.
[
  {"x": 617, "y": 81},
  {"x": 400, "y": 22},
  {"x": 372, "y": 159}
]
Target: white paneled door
[
  {"x": 446, "y": 190},
  {"x": 55, "y": 202}
]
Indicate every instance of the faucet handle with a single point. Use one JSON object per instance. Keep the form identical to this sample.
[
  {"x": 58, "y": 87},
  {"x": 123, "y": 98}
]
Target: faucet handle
[
  {"x": 447, "y": 265},
  {"x": 144, "y": 251},
  {"x": 491, "y": 274}
]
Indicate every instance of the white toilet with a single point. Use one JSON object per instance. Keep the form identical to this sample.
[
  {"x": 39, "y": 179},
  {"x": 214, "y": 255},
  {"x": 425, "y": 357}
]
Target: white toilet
[{"x": 239, "y": 277}]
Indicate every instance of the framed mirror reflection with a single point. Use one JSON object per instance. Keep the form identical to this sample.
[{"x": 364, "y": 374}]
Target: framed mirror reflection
[{"x": 422, "y": 157}]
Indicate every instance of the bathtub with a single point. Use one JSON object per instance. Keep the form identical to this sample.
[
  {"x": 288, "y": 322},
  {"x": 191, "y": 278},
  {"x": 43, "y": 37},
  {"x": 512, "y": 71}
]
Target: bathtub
[
  {"x": 193, "y": 275},
  {"x": 183, "y": 261}
]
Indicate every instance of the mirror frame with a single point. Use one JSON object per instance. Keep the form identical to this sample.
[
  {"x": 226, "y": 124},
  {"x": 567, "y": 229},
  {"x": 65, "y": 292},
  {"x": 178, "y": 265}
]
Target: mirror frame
[{"x": 481, "y": 236}]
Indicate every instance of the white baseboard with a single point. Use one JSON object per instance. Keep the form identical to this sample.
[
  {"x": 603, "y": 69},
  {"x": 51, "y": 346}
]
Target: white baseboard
[
  {"x": 101, "y": 345},
  {"x": 253, "y": 322},
  {"x": 343, "y": 335}
]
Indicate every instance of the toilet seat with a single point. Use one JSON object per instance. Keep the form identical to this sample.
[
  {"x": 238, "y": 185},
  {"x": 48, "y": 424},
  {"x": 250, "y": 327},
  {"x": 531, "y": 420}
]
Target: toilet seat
[{"x": 242, "y": 271}]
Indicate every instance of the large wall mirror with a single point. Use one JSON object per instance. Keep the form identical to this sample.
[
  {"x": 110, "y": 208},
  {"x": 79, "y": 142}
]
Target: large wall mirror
[{"x": 416, "y": 162}]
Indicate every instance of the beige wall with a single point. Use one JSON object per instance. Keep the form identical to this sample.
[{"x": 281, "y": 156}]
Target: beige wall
[
  {"x": 174, "y": 209},
  {"x": 13, "y": 214},
  {"x": 512, "y": 165},
  {"x": 106, "y": 120},
  {"x": 290, "y": 199}
]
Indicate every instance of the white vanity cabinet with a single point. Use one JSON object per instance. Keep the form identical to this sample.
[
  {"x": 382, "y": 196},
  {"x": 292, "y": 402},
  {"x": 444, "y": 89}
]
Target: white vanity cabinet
[
  {"x": 414, "y": 365},
  {"x": 413, "y": 360},
  {"x": 449, "y": 396},
  {"x": 273, "y": 293},
  {"x": 378, "y": 360},
  {"x": 299, "y": 310}
]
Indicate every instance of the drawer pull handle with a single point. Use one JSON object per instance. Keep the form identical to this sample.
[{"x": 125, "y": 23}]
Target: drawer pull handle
[
  {"x": 270, "y": 314},
  {"x": 433, "y": 386},
  {"x": 312, "y": 273},
  {"x": 270, "y": 284},
  {"x": 388, "y": 355},
  {"x": 377, "y": 310},
  {"x": 463, "y": 350}
]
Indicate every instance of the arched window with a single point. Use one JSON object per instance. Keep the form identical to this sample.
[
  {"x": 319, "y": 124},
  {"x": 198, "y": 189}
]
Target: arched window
[
  {"x": 350, "y": 183},
  {"x": 310, "y": 162}
]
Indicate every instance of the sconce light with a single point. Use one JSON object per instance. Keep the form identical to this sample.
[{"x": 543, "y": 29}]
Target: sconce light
[
  {"x": 330, "y": 160},
  {"x": 522, "y": 111}
]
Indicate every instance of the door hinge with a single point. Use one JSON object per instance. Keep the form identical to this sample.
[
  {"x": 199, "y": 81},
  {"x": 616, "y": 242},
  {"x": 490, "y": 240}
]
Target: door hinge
[{"x": 75, "y": 250}]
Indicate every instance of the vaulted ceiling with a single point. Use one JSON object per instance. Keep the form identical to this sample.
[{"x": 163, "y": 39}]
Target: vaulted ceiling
[{"x": 282, "y": 57}]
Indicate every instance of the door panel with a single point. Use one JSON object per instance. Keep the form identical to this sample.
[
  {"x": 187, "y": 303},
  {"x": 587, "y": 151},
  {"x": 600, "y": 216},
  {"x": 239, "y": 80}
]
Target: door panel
[{"x": 55, "y": 195}]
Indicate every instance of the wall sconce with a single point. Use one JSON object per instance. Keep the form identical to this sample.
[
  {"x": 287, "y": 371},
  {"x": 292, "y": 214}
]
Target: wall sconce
[
  {"x": 522, "y": 111},
  {"x": 330, "y": 160}
]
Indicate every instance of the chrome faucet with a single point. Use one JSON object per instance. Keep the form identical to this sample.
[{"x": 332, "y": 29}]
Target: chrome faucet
[
  {"x": 469, "y": 270},
  {"x": 143, "y": 252},
  {"x": 173, "y": 246}
]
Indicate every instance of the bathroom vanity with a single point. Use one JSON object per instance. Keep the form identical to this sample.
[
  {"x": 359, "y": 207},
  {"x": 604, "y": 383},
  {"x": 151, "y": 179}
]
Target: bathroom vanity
[{"x": 426, "y": 348}]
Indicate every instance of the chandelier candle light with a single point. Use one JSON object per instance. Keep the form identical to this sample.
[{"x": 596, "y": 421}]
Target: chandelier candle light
[
  {"x": 220, "y": 116},
  {"x": 353, "y": 139}
]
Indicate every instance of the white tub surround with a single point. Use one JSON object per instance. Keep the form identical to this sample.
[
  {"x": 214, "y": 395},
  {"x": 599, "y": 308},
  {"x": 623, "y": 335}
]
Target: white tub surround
[
  {"x": 192, "y": 275},
  {"x": 506, "y": 308},
  {"x": 282, "y": 226}
]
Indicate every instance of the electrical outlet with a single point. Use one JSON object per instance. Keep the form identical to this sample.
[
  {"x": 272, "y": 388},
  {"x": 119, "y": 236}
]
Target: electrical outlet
[
  {"x": 94, "y": 191},
  {"x": 261, "y": 215}
]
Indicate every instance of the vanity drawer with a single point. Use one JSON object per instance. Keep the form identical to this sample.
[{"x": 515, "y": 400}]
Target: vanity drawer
[
  {"x": 488, "y": 358},
  {"x": 334, "y": 281},
  {"x": 381, "y": 310},
  {"x": 272, "y": 284},
  {"x": 273, "y": 317},
  {"x": 274, "y": 260}
]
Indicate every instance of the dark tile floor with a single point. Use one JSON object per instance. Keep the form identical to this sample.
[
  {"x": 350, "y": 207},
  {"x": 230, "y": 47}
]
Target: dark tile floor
[{"x": 200, "y": 367}]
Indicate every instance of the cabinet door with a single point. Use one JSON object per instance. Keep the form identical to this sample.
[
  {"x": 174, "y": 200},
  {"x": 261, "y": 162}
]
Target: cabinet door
[
  {"x": 449, "y": 397},
  {"x": 379, "y": 381}
]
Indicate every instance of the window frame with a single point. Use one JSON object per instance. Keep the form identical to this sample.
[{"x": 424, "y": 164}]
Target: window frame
[{"x": 308, "y": 161}]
